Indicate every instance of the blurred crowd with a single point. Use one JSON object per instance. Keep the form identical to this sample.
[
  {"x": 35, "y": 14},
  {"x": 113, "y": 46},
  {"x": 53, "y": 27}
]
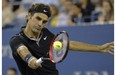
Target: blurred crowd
[
  {"x": 64, "y": 13},
  {"x": 11, "y": 71}
]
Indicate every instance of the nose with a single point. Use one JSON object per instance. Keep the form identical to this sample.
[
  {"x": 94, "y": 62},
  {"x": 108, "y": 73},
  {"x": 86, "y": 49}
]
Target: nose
[{"x": 40, "y": 22}]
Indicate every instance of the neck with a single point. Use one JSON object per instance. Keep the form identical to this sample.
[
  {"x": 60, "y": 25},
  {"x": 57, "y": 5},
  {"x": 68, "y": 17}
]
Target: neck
[{"x": 28, "y": 32}]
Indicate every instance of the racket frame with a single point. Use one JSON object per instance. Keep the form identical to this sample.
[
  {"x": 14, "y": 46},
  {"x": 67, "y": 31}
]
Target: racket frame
[{"x": 51, "y": 46}]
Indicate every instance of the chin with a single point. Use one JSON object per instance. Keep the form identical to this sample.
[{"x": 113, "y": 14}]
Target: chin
[{"x": 36, "y": 30}]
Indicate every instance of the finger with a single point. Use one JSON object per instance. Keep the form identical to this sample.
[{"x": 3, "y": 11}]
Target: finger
[
  {"x": 111, "y": 43},
  {"x": 38, "y": 65},
  {"x": 32, "y": 66},
  {"x": 111, "y": 52},
  {"x": 110, "y": 47}
]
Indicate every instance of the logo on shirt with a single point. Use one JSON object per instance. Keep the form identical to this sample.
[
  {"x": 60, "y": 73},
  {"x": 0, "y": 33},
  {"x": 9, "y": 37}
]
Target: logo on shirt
[
  {"x": 45, "y": 38},
  {"x": 44, "y": 10}
]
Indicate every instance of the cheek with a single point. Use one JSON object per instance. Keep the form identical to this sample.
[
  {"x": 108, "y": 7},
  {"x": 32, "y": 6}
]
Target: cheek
[{"x": 32, "y": 22}]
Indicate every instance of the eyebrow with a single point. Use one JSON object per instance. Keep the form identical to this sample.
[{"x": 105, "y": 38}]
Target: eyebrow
[{"x": 39, "y": 18}]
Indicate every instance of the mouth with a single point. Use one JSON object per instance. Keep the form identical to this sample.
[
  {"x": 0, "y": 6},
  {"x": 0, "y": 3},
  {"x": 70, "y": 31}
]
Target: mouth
[{"x": 37, "y": 27}]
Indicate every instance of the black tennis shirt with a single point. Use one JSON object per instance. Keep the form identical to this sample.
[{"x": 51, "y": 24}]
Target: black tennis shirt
[{"x": 37, "y": 48}]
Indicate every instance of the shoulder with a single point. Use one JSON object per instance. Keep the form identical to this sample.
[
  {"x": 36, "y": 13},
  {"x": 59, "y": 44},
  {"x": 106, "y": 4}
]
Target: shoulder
[
  {"x": 14, "y": 40},
  {"x": 15, "y": 37}
]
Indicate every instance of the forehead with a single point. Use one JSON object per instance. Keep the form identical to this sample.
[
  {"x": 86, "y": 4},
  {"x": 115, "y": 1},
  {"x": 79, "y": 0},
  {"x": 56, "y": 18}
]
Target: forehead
[{"x": 41, "y": 15}]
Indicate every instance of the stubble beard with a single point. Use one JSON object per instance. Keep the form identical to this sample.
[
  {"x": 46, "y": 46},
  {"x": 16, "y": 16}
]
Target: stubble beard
[{"x": 36, "y": 31}]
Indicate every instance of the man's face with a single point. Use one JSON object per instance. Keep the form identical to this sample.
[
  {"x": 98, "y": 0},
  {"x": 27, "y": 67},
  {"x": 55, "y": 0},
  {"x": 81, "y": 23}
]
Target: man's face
[
  {"x": 11, "y": 72},
  {"x": 37, "y": 22}
]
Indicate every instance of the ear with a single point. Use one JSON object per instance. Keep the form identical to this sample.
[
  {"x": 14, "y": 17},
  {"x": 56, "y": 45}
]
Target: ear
[{"x": 28, "y": 16}]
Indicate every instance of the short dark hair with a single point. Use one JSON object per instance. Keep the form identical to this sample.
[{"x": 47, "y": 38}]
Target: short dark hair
[
  {"x": 42, "y": 8},
  {"x": 13, "y": 69}
]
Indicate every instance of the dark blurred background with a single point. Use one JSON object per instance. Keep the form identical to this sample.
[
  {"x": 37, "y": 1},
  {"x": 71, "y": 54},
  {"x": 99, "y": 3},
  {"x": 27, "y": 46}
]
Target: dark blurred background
[{"x": 64, "y": 12}]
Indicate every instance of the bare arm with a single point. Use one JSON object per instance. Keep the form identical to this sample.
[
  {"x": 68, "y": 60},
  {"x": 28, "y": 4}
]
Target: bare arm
[
  {"x": 23, "y": 52},
  {"x": 79, "y": 46}
]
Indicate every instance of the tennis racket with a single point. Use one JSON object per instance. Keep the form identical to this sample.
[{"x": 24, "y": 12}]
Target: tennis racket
[{"x": 54, "y": 55}]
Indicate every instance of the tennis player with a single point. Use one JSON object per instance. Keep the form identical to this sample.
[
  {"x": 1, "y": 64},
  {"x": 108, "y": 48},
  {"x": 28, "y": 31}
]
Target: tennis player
[{"x": 33, "y": 41}]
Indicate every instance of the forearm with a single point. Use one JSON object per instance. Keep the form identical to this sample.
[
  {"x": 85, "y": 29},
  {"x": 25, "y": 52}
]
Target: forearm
[
  {"x": 27, "y": 57},
  {"x": 79, "y": 46},
  {"x": 23, "y": 52}
]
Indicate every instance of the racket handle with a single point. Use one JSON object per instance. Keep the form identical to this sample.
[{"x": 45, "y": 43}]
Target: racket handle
[{"x": 39, "y": 61}]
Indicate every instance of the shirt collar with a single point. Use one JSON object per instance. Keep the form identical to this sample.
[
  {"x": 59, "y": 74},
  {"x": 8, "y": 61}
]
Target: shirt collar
[{"x": 31, "y": 38}]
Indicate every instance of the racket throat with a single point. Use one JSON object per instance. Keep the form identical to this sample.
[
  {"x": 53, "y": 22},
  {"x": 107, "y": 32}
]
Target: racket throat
[{"x": 44, "y": 59}]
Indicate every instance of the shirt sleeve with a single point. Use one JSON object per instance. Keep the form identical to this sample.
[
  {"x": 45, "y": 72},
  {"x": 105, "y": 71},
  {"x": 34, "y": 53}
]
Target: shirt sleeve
[{"x": 15, "y": 43}]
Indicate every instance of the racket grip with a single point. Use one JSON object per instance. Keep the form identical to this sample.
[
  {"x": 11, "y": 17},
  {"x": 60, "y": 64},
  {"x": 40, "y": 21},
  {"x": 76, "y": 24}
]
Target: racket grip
[{"x": 39, "y": 61}]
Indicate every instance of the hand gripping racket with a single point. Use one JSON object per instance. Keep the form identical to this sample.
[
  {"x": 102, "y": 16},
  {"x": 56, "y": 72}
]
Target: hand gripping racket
[{"x": 54, "y": 55}]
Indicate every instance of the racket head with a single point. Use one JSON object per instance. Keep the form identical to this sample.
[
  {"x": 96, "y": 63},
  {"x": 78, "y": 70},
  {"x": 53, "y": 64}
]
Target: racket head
[{"x": 59, "y": 56}]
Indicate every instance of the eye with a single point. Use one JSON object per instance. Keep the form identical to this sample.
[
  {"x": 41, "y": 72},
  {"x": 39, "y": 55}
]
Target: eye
[
  {"x": 38, "y": 18},
  {"x": 45, "y": 22}
]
